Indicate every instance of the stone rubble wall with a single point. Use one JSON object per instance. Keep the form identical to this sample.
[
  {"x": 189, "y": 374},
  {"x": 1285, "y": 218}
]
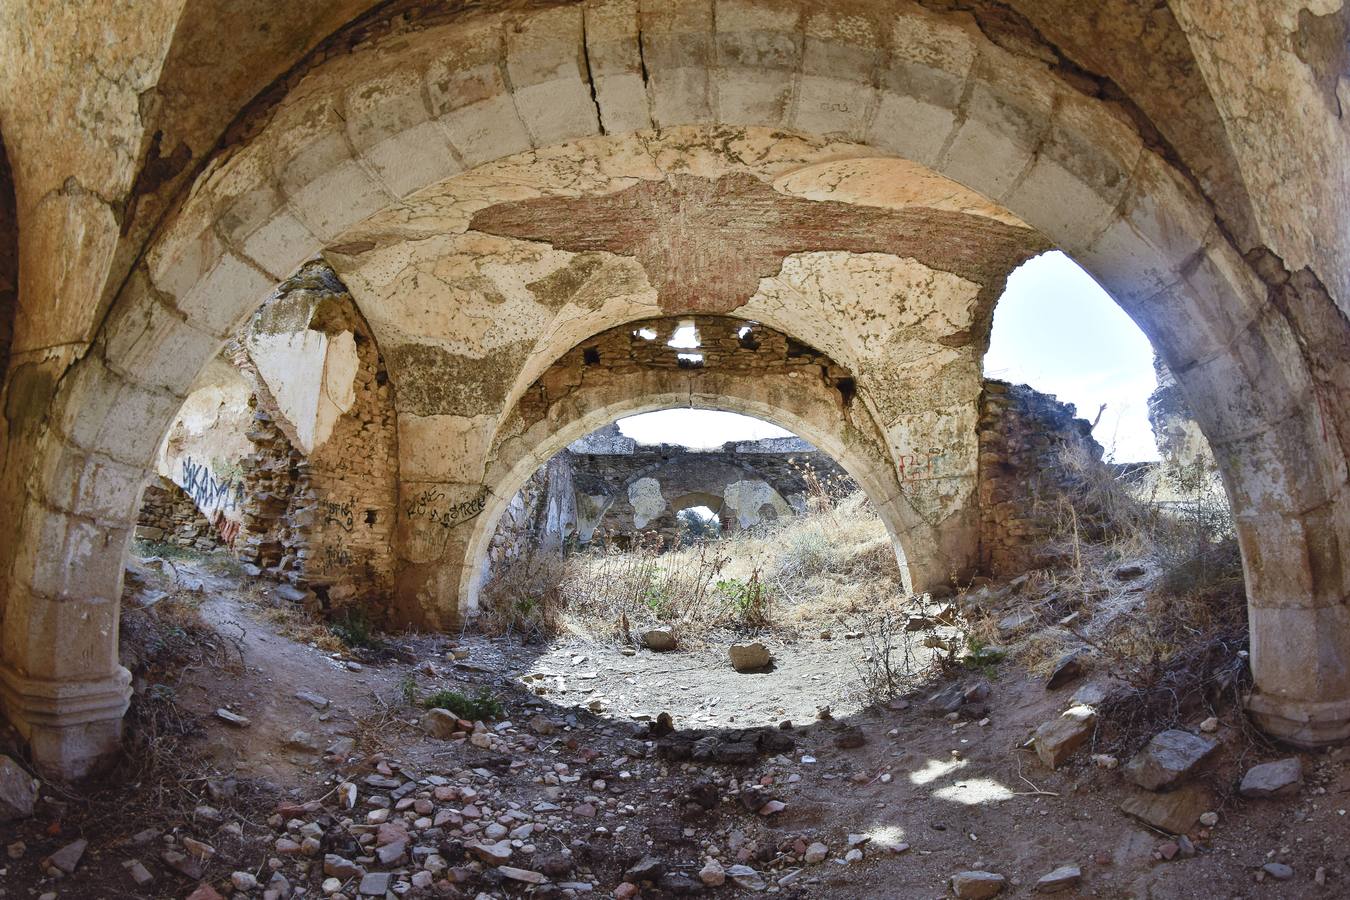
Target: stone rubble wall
[
  {"x": 323, "y": 519},
  {"x": 169, "y": 516},
  {"x": 541, "y": 516},
  {"x": 1029, "y": 443}
]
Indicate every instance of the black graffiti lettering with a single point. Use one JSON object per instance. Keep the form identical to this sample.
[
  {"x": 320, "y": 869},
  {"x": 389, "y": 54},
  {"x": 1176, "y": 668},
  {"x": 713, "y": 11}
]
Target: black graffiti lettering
[
  {"x": 428, "y": 504},
  {"x": 339, "y": 514},
  {"x": 206, "y": 490}
]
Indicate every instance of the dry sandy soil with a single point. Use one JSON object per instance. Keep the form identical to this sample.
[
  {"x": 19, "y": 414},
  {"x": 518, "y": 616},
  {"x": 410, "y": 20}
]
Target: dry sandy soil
[{"x": 956, "y": 795}]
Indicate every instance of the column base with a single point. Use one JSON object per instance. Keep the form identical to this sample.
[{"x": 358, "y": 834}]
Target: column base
[
  {"x": 73, "y": 728},
  {"x": 1302, "y": 723}
]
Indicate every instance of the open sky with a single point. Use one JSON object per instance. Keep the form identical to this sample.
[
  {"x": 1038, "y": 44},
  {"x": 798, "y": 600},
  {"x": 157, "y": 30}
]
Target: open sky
[{"x": 1054, "y": 329}]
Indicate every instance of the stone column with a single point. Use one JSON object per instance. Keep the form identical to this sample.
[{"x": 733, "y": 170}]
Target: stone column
[{"x": 60, "y": 683}]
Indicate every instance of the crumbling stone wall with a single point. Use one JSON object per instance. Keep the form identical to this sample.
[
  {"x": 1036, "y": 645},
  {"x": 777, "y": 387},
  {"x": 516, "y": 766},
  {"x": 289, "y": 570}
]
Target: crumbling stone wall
[
  {"x": 745, "y": 483},
  {"x": 1034, "y": 455},
  {"x": 1181, "y": 444},
  {"x": 315, "y": 499},
  {"x": 169, "y": 516},
  {"x": 542, "y": 516}
]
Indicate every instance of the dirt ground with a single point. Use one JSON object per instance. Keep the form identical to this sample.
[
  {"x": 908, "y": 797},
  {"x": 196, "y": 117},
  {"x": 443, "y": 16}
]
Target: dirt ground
[{"x": 922, "y": 796}]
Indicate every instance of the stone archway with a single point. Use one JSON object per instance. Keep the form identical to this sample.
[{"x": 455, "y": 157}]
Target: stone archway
[
  {"x": 735, "y": 493},
  {"x": 1256, "y": 349}
]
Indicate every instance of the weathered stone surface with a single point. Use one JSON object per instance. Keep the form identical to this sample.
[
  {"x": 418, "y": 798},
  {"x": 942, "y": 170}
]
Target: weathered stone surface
[
  {"x": 440, "y": 723},
  {"x": 1175, "y": 811},
  {"x": 659, "y": 639},
  {"x": 1280, "y": 778},
  {"x": 976, "y": 885},
  {"x": 1062, "y": 879},
  {"x": 1167, "y": 758},
  {"x": 18, "y": 791},
  {"x": 749, "y": 657},
  {"x": 1056, "y": 740}
]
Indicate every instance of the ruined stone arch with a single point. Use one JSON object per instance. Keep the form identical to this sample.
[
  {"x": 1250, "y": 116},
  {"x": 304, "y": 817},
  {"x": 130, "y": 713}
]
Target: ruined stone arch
[
  {"x": 698, "y": 478},
  {"x": 1256, "y": 348},
  {"x": 909, "y": 534}
]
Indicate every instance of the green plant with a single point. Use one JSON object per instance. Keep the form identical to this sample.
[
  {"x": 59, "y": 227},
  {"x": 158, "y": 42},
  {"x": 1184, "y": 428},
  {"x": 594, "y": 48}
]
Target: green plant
[
  {"x": 408, "y": 690},
  {"x": 750, "y": 598},
  {"x": 656, "y": 596},
  {"x": 355, "y": 630},
  {"x": 981, "y": 657},
  {"x": 483, "y": 706}
]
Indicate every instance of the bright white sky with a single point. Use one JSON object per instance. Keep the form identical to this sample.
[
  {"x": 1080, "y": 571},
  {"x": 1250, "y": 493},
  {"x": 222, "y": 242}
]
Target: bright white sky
[{"x": 1054, "y": 329}]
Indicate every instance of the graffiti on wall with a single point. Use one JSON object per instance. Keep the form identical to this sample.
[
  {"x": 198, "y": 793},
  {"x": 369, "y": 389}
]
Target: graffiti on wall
[
  {"x": 339, "y": 514},
  {"x": 208, "y": 491},
  {"x": 336, "y": 557},
  {"x": 919, "y": 466},
  {"x": 431, "y": 505}
]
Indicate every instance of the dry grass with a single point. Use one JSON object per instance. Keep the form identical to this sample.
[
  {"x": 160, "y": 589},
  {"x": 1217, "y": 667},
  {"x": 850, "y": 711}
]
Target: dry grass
[
  {"x": 1175, "y": 643},
  {"x": 830, "y": 565}
]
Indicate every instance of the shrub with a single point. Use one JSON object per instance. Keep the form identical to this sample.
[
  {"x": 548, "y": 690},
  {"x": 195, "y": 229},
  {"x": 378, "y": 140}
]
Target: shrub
[
  {"x": 355, "y": 630},
  {"x": 480, "y": 708},
  {"x": 749, "y": 598}
]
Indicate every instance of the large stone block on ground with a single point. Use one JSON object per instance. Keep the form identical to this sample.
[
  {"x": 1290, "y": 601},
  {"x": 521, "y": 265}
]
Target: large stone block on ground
[
  {"x": 1175, "y": 812},
  {"x": 1169, "y": 757},
  {"x": 750, "y": 657},
  {"x": 1057, "y": 740},
  {"x": 977, "y": 885},
  {"x": 18, "y": 791},
  {"x": 1280, "y": 778}
]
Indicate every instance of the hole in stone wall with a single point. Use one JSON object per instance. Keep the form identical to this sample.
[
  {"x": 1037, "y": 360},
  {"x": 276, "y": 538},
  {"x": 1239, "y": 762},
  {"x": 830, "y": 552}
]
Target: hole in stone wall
[
  {"x": 685, "y": 336},
  {"x": 847, "y": 388},
  {"x": 690, "y": 360},
  {"x": 646, "y": 334},
  {"x": 746, "y": 337},
  {"x": 590, "y": 356},
  {"x": 371, "y": 516}
]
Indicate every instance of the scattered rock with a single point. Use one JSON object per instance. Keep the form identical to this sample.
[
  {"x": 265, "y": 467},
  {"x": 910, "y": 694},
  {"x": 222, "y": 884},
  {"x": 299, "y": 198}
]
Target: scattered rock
[
  {"x": 1068, "y": 669},
  {"x": 746, "y": 877},
  {"x": 816, "y": 853},
  {"x": 440, "y": 723},
  {"x": 1175, "y": 812},
  {"x": 1057, "y": 740},
  {"x": 18, "y": 791},
  {"x": 1089, "y": 695},
  {"x": 977, "y": 885},
  {"x": 1169, "y": 757},
  {"x": 492, "y": 854},
  {"x": 234, "y": 719},
  {"x": 750, "y": 657},
  {"x": 138, "y": 872},
  {"x": 528, "y": 876},
  {"x": 1129, "y": 571},
  {"x": 659, "y": 639},
  {"x": 1062, "y": 879},
  {"x": 1279, "y": 871},
  {"x": 649, "y": 868},
  {"x": 375, "y": 884},
  {"x": 1281, "y": 778},
  {"x": 69, "y": 856},
  {"x": 205, "y": 892},
  {"x": 712, "y": 874},
  {"x": 315, "y": 700}
]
